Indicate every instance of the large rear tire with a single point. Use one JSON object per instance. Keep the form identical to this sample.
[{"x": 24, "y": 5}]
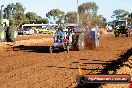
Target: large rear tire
[
  {"x": 11, "y": 34},
  {"x": 74, "y": 42}
]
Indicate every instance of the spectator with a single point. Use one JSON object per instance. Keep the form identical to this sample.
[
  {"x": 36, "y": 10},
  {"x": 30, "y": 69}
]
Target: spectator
[
  {"x": 95, "y": 34},
  {"x": 97, "y": 38}
]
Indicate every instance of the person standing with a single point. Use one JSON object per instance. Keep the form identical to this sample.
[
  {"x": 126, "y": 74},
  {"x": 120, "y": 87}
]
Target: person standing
[
  {"x": 97, "y": 38},
  {"x": 95, "y": 34}
]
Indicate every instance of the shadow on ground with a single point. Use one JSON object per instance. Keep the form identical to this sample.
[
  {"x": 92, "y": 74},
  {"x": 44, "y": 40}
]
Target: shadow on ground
[
  {"x": 38, "y": 49},
  {"x": 113, "y": 66}
]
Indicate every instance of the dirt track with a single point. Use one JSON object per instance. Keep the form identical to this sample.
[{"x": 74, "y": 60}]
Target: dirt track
[{"x": 30, "y": 65}]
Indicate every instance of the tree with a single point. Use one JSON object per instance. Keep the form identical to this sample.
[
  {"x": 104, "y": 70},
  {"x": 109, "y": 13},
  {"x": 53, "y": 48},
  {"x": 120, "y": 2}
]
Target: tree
[
  {"x": 18, "y": 13},
  {"x": 34, "y": 18},
  {"x": 87, "y": 12},
  {"x": 56, "y": 14},
  {"x": 12, "y": 22},
  {"x": 19, "y": 8},
  {"x": 39, "y": 17},
  {"x": 42, "y": 20},
  {"x": 71, "y": 17},
  {"x": 8, "y": 11},
  {"x": 100, "y": 20},
  {"x": 15, "y": 11},
  {"x": 129, "y": 19},
  {"x": 120, "y": 14},
  {"x": 31, "y": 16},
  {"x": 88, "y": 8}
]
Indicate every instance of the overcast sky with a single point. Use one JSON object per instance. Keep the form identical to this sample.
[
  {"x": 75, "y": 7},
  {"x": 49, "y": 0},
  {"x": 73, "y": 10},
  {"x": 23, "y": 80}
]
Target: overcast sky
[{"x": 106, "y": 7}]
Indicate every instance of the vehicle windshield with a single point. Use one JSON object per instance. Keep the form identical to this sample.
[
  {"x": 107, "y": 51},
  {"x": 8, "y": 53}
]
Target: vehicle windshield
[{"x": 121, "y": 23}]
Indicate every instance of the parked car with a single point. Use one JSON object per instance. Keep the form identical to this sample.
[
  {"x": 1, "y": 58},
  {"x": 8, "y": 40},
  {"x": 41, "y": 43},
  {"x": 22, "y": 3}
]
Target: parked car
[{"x": 45, "y": 31}]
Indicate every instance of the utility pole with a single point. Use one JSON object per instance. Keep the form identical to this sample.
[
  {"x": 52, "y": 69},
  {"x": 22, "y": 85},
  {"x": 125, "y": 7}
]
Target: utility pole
[
  {"x": 77, "y": 14},
  {"x": 1, "y": 14},
  {"x": 10, "y": 1}
]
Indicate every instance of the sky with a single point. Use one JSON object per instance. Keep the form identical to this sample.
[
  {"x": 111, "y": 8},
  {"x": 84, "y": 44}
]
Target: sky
[{"x": 41, "y": 7}]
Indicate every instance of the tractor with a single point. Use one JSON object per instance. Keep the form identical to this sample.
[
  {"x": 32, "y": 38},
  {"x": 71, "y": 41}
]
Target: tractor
[
  {"x": 7, "y": 33},
  {"x": 72, "y": 38},
  {"x": 60, "y": 41},
  {"x": 66, "y": 41},
  {"x": 121, "y": 27},
  {"x": 78, "y": 39}
]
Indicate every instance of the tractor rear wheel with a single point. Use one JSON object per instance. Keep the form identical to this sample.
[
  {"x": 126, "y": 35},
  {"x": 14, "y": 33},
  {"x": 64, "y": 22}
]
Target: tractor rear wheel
[
  {"x": 74, "y": 42},
  {"x": 11, "y": 34},
  {"x": 81, "y": 42},
  {"x": 68, "y": 49}
]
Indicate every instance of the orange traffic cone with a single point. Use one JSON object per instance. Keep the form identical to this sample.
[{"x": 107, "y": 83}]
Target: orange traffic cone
[{"x": 81, "y": 71}]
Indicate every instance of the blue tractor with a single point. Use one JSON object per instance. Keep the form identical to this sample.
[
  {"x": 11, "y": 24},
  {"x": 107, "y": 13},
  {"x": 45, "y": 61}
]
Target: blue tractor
[
  {"x": 67, "y": 39},
  {"x": 60, "y": 41},
  {"x": 73, "y": 37}
]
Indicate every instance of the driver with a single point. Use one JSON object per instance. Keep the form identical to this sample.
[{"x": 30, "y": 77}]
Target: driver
[
  {"x": 123, "y": 24},
  {"x": 60, "y": 34}
]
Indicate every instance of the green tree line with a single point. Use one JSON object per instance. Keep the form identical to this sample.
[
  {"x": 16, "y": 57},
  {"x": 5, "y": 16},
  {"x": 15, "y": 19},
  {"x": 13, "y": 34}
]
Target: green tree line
[
  {"x": 87, "y": 15},
  {"x": 15, "y": 13},
  {"x": 87, "y": 11}
]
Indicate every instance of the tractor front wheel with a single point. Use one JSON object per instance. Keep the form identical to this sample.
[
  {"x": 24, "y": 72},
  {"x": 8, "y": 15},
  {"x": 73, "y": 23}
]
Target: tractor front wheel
[
  {"x": 68, "y": 49},
  {"x": 116, "y": 34}
]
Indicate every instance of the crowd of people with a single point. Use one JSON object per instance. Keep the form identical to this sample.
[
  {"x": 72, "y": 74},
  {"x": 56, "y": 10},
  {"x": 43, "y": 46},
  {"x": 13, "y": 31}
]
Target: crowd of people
[{"x": 30, "y": 31}]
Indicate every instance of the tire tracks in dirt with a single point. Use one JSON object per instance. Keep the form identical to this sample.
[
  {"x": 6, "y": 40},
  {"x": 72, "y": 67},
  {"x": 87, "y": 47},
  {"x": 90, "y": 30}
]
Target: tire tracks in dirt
[
  {"x": 111, "y": 67},
  {"x": 40, "y": 69}
]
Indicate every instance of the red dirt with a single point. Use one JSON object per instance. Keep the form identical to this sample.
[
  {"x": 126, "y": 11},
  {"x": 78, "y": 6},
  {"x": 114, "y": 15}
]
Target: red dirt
[{"x": 31, "y": 66}]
